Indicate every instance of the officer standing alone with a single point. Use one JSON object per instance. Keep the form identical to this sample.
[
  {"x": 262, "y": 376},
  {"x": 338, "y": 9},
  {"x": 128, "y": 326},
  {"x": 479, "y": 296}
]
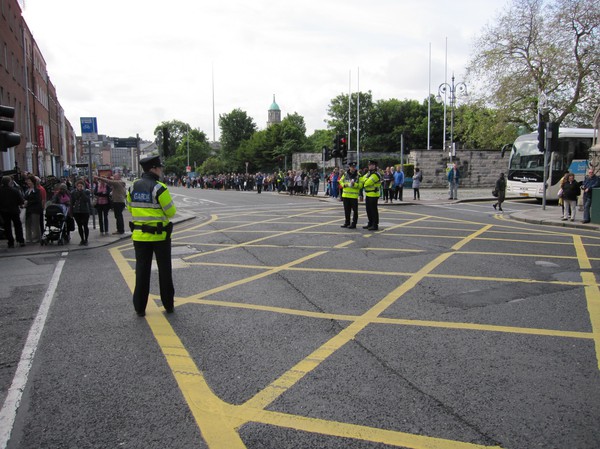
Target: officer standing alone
[
  {"x": 151, "y": 206},
  {"x": 371, "y": 182},
  {"x": 350, "y": 184}
]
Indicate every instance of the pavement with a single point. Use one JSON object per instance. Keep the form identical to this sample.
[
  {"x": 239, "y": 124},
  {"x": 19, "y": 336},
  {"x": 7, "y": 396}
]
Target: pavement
[{"x": 550, "y": 216}]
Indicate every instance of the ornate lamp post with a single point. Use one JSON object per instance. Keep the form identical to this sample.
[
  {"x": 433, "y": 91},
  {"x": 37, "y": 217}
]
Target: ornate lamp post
[{"x": 453, "y": 91}]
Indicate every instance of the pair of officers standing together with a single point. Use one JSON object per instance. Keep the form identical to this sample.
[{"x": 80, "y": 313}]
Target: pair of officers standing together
[{"x": 352, "y": 183}]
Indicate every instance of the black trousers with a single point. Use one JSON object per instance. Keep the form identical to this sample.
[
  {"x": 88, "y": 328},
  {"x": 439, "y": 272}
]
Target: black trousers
[
  {"x": 350, "y": 205},
  {"x": 372, "y": 211},
  {"x": 143, "y": 267},
  {"x": 15, "y": 220},
  {"x": 118, "y": 211}
]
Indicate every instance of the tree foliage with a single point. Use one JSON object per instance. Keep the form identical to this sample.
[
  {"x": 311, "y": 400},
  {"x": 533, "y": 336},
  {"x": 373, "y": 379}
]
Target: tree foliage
[
  {"x": 534, "y": 46},
  {"x": 236, "y": 127},
  {"x": 168, "y": 135}
]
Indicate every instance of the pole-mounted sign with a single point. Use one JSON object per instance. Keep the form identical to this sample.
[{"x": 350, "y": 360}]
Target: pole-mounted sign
[{"x": 89, "y": 129}]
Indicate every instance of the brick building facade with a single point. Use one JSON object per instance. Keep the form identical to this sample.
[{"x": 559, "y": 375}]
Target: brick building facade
[{"x": 47, "y": 138}]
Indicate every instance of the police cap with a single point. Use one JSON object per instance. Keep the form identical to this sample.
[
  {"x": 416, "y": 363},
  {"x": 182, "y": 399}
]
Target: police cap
[
  {"x": 150, "y": 162},
  {"x": 372, "y": 162},
  {"x": 351, "y": 164}
]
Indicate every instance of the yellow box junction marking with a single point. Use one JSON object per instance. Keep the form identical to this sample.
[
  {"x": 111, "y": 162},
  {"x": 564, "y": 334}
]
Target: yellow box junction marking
[{"x": 219, "y": 421}]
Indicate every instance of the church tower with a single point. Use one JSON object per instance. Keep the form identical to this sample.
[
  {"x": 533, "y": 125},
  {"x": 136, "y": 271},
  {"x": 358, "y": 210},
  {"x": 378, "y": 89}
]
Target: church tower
[{"x": 274, "y": 113}]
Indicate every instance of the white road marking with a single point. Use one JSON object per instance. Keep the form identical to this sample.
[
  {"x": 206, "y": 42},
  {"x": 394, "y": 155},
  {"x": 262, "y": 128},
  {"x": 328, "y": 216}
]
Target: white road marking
[{"x": 15, "y": 392}]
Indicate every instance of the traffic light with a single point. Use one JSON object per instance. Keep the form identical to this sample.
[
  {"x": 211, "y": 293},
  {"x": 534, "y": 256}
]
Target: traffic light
[
  {"x": 343, "y": 147},
  {"x": 326, "y": 153},
  {"x": 553, "y": 130},
  {"x": 541, "y": 135},
  {"x": 8, "y": 138},
  {"x": 336, "y": 146}
]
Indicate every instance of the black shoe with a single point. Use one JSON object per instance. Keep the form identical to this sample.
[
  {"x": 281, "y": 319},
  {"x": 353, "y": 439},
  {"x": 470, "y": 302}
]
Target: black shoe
[
  {"x": 22, "y": 244},
  {"x": 585, "y": 221},
  {"x": 345, "y": 225},
  {"x": 367, "y": 226},
  {"x": 352, "y": 226},
  {"x": 494, "y": 206},
  {"x": 500, "y": 209},
  {"x": 373, "y": 228},
  {"x": 11, "y": 245},
  {"x": 141, "y": 313},
  {"x": 169, "y": 309}
]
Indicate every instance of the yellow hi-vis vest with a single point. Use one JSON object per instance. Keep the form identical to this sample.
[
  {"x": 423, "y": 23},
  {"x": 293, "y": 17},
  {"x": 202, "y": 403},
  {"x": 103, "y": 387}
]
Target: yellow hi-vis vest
[
  {"x": 371, "y": 183},
  {"x": 350, "y": 189},
  {"x": 150, "y": 203}
]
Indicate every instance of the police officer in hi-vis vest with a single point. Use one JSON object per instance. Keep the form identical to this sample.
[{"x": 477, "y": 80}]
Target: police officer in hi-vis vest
[
  {"x": 350, "y": 183},
  {"x": 151, "y": 206},
  {"x": 371, "y": 182}
]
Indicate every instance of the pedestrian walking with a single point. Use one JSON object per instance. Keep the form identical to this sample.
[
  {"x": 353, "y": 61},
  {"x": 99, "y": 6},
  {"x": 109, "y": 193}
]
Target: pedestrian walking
[
  {"x": 151, "y": 206},
  {"x": 371, "y": 183},
  {"x": 570, "y": 191},
  {"x": 11, "y": 201},
  {"x": 500, "y": 191},
  {"x": 102, "y": 193},
  {"x": 589, "y": 183},
  {"x": 399, "y": 183},
  {"x": 117, "y": 202},
  {"x": 453, "y": 182},
  {"x": 34, "y": 211},
  {"x": 350, "y": 183},
  {"x": 81, "y": 204},
  {"x": 416, "y": 184}
]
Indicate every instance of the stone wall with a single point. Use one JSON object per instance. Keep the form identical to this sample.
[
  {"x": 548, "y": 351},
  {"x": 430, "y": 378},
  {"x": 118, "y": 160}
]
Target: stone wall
[{"x": 479, "y": 168}]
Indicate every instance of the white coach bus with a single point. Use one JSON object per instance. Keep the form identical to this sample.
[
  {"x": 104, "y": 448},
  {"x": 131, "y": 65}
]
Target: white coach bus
[{"x": 525, "y": 164}]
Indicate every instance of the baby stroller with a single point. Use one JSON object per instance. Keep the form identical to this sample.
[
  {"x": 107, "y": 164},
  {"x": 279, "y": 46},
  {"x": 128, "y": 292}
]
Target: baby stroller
[{"x": 56, "y": 225}]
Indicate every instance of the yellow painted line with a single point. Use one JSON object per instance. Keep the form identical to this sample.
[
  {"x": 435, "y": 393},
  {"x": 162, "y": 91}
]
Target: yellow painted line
[
  {"x": 535, "y": 256},
  {"x": 390, "y": 321},
  {"x": 344, "y": 244},
  {"x": 471, "y": 237},
  {"x": 256, "y": 276},
  {"x": 357, "y": 432},
  {"x": 214, "y": 417},
  {"x": 271, "y": 392},
  {"x": 486, "y": 327},
  {"x": 584, "y": 262},
  {"x": 592, "y": 296},
  {"x": 399, "y": 250},
  {"x": 388, "y": 273},
  {"x": 241, "y": 245},
  {"x": 541, "y": 242},
  {"x": 405, "y": 224},
  {"x": 592, "y": 293}
]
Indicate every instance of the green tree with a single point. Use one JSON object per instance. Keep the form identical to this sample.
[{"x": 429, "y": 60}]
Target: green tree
[
  {"x": 199, "y": 148},
  {"x": 168, "y": 135},
  {"x": 236, "y": 127},
  {"x": 338, "y": 113},
  {"x": 213, "y": 166},
  {"x": 320, "y": 138},
  {"x": 534, "y": 46}
]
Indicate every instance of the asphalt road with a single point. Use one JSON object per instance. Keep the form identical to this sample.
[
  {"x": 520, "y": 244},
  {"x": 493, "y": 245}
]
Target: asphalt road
[{"x": 451, "y": 327}]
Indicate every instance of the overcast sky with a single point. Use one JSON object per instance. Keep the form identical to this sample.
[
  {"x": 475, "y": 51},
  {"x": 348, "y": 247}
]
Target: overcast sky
[{"x": 135, "y": 63}]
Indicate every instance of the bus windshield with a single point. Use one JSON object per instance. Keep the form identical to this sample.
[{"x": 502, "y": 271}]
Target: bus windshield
[{"x": 526, "y": 156}]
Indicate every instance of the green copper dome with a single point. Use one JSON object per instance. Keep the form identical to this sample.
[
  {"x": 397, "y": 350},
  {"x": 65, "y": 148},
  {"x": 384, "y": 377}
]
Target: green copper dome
[{"x": 274, "y": 106}]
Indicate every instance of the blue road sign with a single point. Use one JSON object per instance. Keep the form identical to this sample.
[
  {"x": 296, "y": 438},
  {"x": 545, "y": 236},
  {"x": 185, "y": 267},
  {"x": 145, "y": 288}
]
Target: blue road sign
[{"x": 89, "y": 128}]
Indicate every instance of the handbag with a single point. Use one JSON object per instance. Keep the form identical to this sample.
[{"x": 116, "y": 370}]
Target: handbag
[
  {"x": 94, "y": 201},
  {"x": 560, "y": 193},
  {"x": 494, "y": 192}
]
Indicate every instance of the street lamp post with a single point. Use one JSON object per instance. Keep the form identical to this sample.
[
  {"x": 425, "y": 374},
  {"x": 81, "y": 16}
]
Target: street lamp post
[{"x": 453, "y": 90}]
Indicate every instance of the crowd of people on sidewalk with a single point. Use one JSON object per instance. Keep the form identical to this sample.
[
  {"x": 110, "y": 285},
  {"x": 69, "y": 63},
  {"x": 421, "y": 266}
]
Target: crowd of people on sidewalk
[{"x": 29, "y": 196}]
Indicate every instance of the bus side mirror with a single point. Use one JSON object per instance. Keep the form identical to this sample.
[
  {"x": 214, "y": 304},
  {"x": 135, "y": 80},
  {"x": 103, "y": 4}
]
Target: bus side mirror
[{"x": 504, "y": 148}]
